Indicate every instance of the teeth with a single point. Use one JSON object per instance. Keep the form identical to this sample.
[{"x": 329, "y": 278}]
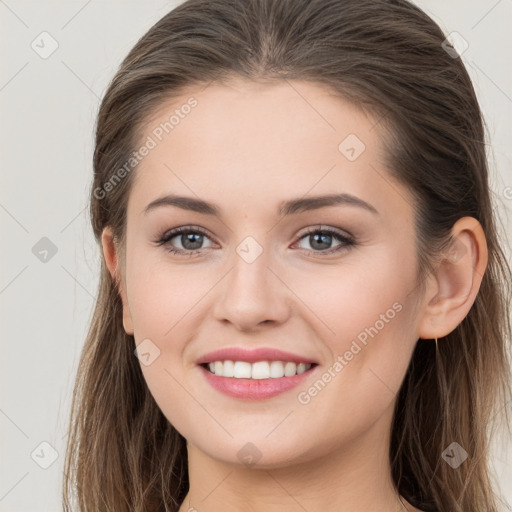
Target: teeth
[
  {"x": 241, "y": 370},
  {"x": 290, "y": 369},
  {"x": 227, "y": 369},
  {"x": 301, "y": 368},
  {"x": 276, "y": 369},
  {"x": 259, "y": 370}
]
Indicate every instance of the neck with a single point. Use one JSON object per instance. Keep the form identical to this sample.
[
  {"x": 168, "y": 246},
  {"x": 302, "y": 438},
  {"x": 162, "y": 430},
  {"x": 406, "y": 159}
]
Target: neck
[{"x": 354, "y": 477}]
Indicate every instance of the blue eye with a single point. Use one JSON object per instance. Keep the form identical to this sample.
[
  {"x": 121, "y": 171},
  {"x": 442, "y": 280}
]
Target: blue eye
[
  {"x": 318, "y": 236},
  {"x": 191, "y": 239}
]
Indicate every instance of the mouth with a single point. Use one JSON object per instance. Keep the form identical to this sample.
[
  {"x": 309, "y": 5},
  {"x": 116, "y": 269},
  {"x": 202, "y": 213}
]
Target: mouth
[
  {"x": 260, "y": 380},
  {"x": 255, "y": 374}
]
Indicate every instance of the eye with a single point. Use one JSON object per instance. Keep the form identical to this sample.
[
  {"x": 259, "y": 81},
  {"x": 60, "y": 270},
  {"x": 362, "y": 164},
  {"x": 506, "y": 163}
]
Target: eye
[
  {"x": 190, "y": 237},
  {"x": 319, "y": 238}
]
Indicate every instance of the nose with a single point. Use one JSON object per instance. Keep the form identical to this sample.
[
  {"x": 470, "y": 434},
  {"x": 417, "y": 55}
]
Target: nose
[{"x": 252, "y": 293}]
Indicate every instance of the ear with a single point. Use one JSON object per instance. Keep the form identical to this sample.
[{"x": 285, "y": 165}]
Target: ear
[
  {"x": 453, "y": 287},
  {"x": 110, "y": 253}
]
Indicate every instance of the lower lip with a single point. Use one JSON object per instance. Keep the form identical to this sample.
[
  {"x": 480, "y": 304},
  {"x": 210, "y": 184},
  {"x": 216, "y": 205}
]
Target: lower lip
[{"x": 254, "y": 389}]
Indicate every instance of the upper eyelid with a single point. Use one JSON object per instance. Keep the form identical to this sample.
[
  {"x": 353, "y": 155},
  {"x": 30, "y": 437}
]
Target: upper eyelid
[{"x": 323, "y": 227}]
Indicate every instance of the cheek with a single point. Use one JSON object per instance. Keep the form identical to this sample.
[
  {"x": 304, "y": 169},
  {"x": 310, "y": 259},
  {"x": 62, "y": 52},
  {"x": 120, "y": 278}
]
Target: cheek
[
  {"x": 161, "y": 301},
  {"x": 161, "y": 292},
  {"x": 370, "y": 351},
  {"x": 352, "y": 297},
  {"x": 366, "y": 315}
]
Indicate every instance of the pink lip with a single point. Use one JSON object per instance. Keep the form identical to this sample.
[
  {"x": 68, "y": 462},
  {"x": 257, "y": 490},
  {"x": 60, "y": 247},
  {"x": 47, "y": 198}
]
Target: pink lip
[
  {"x": 254, "y": 389},
  {"x": 253, "y": 356}
]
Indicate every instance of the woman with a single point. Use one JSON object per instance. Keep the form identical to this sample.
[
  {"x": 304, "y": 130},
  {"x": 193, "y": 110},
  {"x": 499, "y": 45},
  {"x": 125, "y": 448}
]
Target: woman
[{"x": 303, "y": 302}]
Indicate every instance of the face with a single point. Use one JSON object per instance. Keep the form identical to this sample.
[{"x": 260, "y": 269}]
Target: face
[{"x": 331, "y": 283}]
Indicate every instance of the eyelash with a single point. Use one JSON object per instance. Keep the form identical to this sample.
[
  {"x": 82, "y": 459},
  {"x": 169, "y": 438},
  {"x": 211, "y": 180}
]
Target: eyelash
[{"x": 347, "y": 241}]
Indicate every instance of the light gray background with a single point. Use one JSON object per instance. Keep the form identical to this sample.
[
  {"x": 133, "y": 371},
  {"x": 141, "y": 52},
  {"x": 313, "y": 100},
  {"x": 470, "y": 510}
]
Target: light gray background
[{"x": 48, "y": 109}]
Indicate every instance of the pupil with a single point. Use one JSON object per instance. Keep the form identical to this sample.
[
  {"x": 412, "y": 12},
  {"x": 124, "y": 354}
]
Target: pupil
[
  {"x": 189, "y": 237},
  {"x": 325, "y": 239}
]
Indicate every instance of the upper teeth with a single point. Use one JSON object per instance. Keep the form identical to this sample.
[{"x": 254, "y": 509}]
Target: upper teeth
[{"x": 259, "y": 370}]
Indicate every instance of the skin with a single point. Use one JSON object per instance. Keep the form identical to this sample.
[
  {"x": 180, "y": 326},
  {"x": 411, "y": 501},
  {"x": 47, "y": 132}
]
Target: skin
[{"x": 241, "y": 149}]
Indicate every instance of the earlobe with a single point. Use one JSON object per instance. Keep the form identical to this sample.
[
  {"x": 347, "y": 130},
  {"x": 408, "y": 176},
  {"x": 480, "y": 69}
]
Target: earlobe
[
  {"x": 457, "y": 280},
  {"x": 110, "y": 253}
]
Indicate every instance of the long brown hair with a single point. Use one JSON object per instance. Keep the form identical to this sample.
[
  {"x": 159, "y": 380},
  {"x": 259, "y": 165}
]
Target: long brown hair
[{"x": 388, "y": 58}]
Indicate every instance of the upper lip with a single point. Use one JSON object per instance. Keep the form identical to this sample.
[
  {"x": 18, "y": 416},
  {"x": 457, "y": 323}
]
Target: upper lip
[{"x": 252, "y": 356}]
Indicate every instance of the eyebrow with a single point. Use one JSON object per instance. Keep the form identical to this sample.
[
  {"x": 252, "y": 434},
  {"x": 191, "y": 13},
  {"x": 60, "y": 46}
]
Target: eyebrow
[{"x": 289, "y": 207}]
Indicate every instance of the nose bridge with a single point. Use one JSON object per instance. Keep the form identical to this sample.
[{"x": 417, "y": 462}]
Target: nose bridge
[
  {"x": 250, "y": 279},
  {"x": 252, "y": 294}
]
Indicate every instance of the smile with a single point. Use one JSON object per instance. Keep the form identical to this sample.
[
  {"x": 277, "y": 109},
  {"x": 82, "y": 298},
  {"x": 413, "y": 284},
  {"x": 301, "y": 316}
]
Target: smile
[{"x": 255, "y": 381}]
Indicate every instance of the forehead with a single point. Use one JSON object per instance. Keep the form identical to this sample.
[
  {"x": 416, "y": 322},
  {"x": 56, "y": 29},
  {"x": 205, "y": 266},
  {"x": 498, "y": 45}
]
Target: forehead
[
  {"x": 279, "y": 115},
  {"x": 245, "y": 142}
]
